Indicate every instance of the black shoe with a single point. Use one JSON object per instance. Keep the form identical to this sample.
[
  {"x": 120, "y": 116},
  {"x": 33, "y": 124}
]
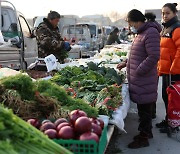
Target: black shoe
[
  {"x": 169, "y": 130},
  {"x": 162, "y": 124},
  {"x": 139, "y": 143},
  {"x": 150, "y": 136}
]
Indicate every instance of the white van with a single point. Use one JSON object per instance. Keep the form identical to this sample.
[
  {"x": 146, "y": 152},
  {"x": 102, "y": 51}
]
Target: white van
[
  {"x": 65, "y": 20},
  {"x": 77, "y": 34},
  {"x": 23, "y": 51},
  {"x": 88, "y": 35}
]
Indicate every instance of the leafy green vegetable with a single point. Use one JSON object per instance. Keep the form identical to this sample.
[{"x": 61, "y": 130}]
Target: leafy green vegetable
[
  {"x": 97, "y": 75},
  {"x": 110, "y": 54},
  {"x": 120, "y": 53},
  {"x": 62, "y": 55},
  {"x": 22, "y": 83},
  {"x": 51, "y": 89},
  {"x": 87, "y": 81},
  {"x": 6, "y": 147},
  {"x": 92, "y": 66},
  {"x": 90, "y": 97},
  {"x": 109, "y": 98},
  {"x": 20, "y": 137},
  {"x": 71, "y": 71},
  {"x": 60, "y": 79},
  {"x": 102, "y": 110}
]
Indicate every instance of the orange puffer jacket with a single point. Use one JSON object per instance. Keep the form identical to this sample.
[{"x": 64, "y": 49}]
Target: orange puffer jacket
[{"x": 169, "y": 62}]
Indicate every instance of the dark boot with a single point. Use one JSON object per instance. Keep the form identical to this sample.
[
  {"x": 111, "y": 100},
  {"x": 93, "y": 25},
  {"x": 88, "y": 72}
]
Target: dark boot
[
  {"x": 162, "y": 124},
  {"x": 167, "y": 129},
  {"x": 140, "y": 142},
  {"x": 150, "y": 136}
]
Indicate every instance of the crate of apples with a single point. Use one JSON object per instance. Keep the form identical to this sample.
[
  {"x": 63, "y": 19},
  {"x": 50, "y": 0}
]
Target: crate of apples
[{"x": 79, "y": 127}]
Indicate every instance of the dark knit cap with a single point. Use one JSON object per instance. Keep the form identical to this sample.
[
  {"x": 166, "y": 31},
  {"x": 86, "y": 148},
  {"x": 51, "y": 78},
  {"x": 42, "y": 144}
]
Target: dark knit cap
[
  {"x": 116, "y": 30},
  {"x": 53, "y": 15}
]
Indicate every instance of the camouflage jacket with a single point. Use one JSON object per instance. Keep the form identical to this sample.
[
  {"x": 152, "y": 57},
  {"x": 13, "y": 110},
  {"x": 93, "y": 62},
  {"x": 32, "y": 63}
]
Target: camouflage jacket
[
  {"x": 49, "y": 40},
  {"x": 113, "y": 38}
]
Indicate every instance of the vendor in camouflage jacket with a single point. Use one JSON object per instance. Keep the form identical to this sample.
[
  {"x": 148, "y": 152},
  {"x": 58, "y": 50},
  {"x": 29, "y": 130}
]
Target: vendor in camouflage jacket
[{"x": 49, "y": 39}]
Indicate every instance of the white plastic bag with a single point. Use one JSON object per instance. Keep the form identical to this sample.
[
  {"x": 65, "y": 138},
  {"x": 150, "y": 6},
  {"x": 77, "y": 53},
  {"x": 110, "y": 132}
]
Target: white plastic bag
[
  {"x": 51, "y": 62},
  {"x": 120, "y": 114}
]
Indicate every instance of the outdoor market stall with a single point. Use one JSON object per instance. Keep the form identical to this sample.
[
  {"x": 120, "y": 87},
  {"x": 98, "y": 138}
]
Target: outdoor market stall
[{"x": 92, "y": 85}]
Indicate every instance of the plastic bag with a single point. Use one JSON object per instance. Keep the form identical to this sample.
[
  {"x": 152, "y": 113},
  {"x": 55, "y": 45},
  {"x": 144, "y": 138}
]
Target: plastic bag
[
  {"x": 173, "y": 104},
  {"x": 51, "y": 62},
  {"x": 120, "y": 114}
]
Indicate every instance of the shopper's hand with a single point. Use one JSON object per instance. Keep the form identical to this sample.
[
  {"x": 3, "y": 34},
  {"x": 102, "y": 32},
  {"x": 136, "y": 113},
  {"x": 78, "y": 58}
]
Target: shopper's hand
[{"x": 121, "y": 65}]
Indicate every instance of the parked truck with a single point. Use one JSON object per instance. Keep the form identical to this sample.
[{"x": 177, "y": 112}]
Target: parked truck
[
  {"x": 64, "y": 21},
  {"x": 88, "y": 35},
  {"x": 18, "y": 50}
]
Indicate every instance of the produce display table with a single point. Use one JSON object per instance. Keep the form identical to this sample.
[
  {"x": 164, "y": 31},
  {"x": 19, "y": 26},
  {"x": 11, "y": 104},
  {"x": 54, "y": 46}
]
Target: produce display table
[
  {"x": 96, "y": 88},
  {"x": 109, "y": 134},
  {"x": 108, "y": 57}
]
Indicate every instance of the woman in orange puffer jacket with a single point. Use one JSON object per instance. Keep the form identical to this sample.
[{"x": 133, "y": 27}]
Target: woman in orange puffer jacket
[{"x": 169, "y": 63}]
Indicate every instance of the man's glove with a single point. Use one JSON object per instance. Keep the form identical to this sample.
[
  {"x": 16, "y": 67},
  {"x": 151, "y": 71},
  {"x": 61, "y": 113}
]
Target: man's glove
[{"x": 67, "y": 46}]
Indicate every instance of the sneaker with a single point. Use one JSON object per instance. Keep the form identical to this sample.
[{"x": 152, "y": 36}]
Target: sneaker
[
  {"x": 139, "y": 143},
  {"x": 162, "y": 124},
  {"x": 150, "y": 136}
]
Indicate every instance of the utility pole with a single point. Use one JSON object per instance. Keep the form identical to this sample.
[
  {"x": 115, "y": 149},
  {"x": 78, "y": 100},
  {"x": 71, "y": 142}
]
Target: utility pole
[
  {"x": 116, "y": 16},
  {"x": 0, "y": 17}
]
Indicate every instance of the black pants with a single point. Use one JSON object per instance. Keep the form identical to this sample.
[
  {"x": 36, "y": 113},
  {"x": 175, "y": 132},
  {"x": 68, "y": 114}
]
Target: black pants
[
  {"x": 165, "y": 84},
  {"x": 145, "y": 114},
  {"x": 153, "y": 111}
]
